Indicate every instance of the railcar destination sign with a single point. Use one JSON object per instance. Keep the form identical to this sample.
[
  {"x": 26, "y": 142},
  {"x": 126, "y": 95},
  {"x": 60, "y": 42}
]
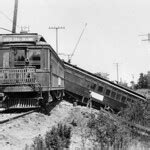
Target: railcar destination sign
[{"x": 17, "y": 38}]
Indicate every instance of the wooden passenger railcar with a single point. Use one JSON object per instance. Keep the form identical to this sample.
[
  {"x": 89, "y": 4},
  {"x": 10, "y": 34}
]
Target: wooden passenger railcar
[
  {"x": 29, "y": 70},
  {"x": 81, "y": 84}
]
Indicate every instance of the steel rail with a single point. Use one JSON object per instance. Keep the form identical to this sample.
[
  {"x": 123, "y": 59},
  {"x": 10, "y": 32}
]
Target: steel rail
[{"x": 16, "y": 117}]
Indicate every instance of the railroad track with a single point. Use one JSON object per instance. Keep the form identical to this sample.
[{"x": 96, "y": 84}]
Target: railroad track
[
  {"x": 51, "y": 106},
  {"x": 16, "y": 117}
]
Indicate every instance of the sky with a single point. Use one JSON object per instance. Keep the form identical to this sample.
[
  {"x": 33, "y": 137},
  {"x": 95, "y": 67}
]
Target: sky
[{"x": 112, "y": 35}]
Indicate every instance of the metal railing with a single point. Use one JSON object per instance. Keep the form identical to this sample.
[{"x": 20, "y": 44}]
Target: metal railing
[{"x": 12, "y": 76}]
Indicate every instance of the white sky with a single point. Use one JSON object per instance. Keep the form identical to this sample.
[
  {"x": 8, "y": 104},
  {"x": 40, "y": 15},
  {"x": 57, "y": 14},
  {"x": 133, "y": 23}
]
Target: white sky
[{"x": 111, "y": 35}]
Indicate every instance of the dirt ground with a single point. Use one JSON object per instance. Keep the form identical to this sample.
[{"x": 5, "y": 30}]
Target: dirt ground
[{"x": 17, "y": 133}]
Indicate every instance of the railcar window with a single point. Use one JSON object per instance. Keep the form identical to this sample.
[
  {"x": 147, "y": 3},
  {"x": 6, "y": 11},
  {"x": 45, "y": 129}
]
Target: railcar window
[
  {"x": 34, "y": 58},
  {"x": 107, "y": 92},
  {"x": 118, "y": 97},
  {"x": 132, "y": 100},
  {"x": 129, "y": 100},
  {"x": 113, "y": 94},
  {"x": 93, "y": 86},
  {"x": 123, "y": 99},
  {"x": 88, "y": 85},
  {"x": 34, "y": 55},
  {"x": 100, "y": 89},
  {"x": 19, "y": 57}
]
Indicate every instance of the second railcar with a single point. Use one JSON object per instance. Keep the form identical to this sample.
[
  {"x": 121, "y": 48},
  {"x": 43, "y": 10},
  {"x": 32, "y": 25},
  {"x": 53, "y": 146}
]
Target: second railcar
[{"x": 81, "y": 85}]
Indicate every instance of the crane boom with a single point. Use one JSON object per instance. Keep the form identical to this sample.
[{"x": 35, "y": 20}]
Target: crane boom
[
  {"x": 78, "y": 41},
  {"x": 70, "y": 55}
]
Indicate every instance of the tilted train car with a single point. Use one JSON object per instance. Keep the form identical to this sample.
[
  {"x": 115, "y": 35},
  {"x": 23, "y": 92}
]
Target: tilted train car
[
  {"x": 80, "y": 85},
  {"x": 30, "y": 71}
]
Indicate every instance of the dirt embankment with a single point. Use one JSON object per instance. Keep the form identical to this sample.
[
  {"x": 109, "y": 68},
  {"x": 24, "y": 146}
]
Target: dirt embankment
[{"x": 17, "y": 133}]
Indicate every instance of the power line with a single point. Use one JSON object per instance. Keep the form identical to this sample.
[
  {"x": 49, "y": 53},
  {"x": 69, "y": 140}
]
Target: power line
[
  {"x": 5, "y": 29},
  {"x": 6, "y": 16},
  {"x": 1, "y": 12}
]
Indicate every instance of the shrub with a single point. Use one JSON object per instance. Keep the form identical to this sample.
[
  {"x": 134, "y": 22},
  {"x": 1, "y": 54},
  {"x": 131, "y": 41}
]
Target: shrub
[
  {"x": 106, "y": 130},
  {"x": 39, "y": 143},
  {"x": 56, "y": 139},
  {"x": 135, "y": 113},
  {"x": 59, "y": 137}
]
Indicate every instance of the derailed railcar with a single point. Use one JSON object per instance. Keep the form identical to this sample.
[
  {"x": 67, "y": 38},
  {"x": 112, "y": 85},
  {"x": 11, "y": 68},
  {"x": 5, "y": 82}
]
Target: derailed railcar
[
  {"x": 30, "y": 71},
  {"x": 84, "y": 87}
]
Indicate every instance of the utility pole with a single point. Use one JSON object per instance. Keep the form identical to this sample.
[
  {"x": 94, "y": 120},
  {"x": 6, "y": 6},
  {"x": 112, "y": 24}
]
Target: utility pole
[
  {"x": 57, "y": 28},
  {"x": 117, "y": 65},
  {"x": 15, "y": 17}
]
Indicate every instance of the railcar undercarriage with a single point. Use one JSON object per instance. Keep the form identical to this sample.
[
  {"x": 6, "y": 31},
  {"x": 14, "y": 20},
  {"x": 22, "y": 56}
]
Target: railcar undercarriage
[
  {"x": 20, "y": 100},
  {"x": 19, "y": 89},
  {"x": 29, "y": 100}
]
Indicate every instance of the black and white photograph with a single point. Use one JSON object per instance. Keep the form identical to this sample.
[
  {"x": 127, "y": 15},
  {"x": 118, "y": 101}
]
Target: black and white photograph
[{"x": 74, "y": 75}]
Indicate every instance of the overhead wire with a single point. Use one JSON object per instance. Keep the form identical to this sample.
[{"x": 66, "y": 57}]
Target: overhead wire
[{"x": 7, "y": 18}]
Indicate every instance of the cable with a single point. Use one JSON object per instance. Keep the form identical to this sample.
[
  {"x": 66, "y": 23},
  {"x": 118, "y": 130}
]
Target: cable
[
  {"x": 78, "y": 40},
  {"x": 7, "y": 17},
  {"x": 5, "y": 29}
]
